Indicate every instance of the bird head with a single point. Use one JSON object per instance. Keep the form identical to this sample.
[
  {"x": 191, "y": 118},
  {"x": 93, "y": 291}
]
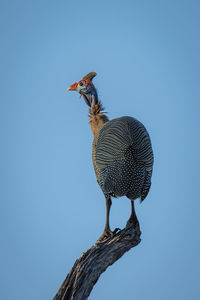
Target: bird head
[{"x": 86, "y": 88}]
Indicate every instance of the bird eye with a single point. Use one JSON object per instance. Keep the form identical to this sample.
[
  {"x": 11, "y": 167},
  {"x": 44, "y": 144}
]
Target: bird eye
[{"x": 82, "y": 83}]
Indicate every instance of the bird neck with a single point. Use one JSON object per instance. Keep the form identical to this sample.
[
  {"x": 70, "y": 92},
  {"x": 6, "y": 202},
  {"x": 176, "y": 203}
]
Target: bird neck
[{"x": 97, "y": 118}]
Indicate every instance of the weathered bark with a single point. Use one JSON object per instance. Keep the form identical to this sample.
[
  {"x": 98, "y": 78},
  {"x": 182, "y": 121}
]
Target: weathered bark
[{"x": 92, "y": 263}]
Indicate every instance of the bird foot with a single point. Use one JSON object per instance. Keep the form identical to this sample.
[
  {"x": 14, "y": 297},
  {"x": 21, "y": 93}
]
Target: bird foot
[
  {"x": 134, "y": 224},
  {"x": 107, "y": 234}
]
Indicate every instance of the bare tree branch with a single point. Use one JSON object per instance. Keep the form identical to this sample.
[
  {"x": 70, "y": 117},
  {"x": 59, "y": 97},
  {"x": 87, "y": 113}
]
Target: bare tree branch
[{"x": 92, "y": 263}]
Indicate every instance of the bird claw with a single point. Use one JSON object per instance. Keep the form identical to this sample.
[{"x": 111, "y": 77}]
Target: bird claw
[
  {"x": 107, "y": 234},
  {"x": 117, "y": 230},
  {"x": 135, "y": 225}
]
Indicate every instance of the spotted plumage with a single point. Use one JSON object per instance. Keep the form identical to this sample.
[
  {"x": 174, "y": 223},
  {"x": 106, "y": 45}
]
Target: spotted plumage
[
  {"x": 124, "y": 158},
  {"x": 122, "y": 153}
]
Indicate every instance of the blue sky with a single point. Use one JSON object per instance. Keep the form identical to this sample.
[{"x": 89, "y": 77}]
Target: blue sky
[{"x": 146, "y": 55}]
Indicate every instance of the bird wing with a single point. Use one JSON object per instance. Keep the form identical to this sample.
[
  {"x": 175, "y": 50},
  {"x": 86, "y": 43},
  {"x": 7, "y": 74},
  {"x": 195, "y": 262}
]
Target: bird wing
[{"x": 116, "y": 136}]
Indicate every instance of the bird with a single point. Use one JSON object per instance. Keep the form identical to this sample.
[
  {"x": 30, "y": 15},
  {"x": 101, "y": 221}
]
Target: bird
[{"x": 122, "y": 154}]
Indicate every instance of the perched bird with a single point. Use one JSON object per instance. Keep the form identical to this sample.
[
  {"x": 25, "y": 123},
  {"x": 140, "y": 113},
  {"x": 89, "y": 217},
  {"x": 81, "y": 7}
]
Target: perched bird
[{"x": 122, "y": 153}]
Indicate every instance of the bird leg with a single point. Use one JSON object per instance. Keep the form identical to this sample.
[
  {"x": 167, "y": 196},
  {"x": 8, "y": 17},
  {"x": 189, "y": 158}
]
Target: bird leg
[
  {"x": 107, "y": 232},
  {"x": 133, "y": 220}
]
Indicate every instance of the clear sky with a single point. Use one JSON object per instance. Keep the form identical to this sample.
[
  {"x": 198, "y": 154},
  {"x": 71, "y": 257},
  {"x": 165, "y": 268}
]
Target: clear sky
[{"x": 146, "y": 55}]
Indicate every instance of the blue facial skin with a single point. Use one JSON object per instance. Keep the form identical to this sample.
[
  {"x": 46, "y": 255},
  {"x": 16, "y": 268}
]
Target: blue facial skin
[{"x": 89, "y": 94}]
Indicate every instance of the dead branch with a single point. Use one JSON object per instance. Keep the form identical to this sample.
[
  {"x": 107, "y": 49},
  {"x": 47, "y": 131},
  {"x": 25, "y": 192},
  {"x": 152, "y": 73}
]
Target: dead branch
[{"x": 92, "y": 263}]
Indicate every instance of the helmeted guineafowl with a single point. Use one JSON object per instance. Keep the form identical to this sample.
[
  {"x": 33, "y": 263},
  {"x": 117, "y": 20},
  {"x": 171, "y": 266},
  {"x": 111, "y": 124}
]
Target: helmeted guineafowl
[{"x": 122, "y": 153}]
